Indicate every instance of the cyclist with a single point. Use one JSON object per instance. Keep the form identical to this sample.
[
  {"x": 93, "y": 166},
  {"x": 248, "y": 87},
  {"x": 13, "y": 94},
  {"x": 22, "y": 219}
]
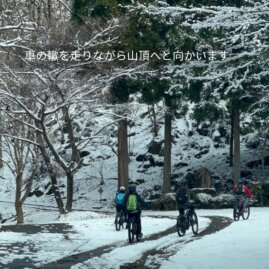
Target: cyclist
[
  {"x": 119, "y": 200},
  {"x": 182, "y": 198},
  {"x": 241, "y": 189},
  {"x": 133, "y": 203}
]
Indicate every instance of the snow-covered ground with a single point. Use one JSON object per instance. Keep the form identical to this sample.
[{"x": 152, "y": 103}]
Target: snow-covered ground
[
  {"x": 89, "y": 231},
  {"x": 242, "y": 245}
]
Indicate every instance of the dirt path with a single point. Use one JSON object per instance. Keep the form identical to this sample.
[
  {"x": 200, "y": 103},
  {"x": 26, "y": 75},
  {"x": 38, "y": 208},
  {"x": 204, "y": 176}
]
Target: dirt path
[{"x": 217, "y": 224}]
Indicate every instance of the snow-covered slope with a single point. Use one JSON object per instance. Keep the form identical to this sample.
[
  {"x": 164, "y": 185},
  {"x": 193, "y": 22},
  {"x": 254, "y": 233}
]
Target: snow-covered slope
[{"x": 194, "y": 146}]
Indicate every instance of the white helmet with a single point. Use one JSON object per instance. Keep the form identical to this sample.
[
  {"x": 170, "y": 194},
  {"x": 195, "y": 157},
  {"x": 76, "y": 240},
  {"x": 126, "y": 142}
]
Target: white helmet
[{"x": 122, "y": 188}]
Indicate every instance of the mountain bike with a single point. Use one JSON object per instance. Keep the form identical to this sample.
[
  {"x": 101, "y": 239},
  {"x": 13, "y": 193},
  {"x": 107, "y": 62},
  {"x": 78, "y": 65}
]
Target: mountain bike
[
  {"x": 189, "y": 219},
  {"x": 241, "y": 208},
  {"x": 132, "y": 228},
  {"x": 119, "y": 220}
]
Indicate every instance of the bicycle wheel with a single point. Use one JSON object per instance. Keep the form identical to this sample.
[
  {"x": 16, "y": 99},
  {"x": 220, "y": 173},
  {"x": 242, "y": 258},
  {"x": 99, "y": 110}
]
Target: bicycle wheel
[
  {"x": 180, "y": 227},
  {"x": 236, "y": 213},
  {"x": 117, "y": 222},
  {"x": 121, "y": 220},
  {"x": 194, "y": 222},
  {"x": 246, "y": 212},
  {"x": 131, "y": 230}
]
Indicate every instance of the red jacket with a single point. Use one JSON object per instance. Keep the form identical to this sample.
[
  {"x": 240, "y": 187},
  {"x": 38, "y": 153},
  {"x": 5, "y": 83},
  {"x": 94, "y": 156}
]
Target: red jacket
[{"x": 247, "y": 191}]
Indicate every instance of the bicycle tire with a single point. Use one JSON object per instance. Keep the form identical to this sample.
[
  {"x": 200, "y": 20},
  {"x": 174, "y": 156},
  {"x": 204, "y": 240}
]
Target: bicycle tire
[
  {"x": 236, "y": 214},
  {"x": 117, "y": 222},
  {"x": 180, "y": 229},
  {"x": 246, "y": 212},
  {"x": 122, "y": 220},
  {"x": 193, "y": 219},
  {"x": 131, "y": 230}
]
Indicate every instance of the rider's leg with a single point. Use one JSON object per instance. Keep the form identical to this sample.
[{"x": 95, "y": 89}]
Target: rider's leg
[
  {"x": 181, "y": 214},
  {"x": 242, "y": 203},
  {"x": 128, "y": 217},
  {"x": 125, "y": 216},
  {"x": 117, "y": 211},
  {"x": 138, "y": 221},
  {"x": 139, "y": 225}
]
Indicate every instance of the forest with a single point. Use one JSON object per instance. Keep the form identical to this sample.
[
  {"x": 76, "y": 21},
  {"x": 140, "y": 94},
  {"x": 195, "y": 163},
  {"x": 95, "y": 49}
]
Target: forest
[{"x": 82, "y": 81}]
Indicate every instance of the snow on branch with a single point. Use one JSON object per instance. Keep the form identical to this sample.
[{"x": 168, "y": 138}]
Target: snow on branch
[
  {"x": 26, "y": 26},
  {"x": 20, "y": 139}
]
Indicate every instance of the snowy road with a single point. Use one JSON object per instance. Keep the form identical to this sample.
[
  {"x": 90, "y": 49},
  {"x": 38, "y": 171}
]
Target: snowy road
[{"x": 89, "y": 240}]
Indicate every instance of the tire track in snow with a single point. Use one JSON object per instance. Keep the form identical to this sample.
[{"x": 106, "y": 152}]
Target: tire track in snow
[
  {"x": 69, "y": 261},
  {"x": 217, "y": 223},
  {"x": 153, "y": 258}
]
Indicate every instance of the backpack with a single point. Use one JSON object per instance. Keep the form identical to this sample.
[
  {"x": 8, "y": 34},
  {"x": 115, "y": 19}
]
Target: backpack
[
  {"x": 132, "y": 203},
  {"x": 120, "y": 198},
  {"x": 239, "y": 188},
  {"x": 182, "y": 196}
]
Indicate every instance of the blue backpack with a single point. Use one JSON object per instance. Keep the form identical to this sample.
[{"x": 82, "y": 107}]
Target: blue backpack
[{"x": 120, "y": 198}]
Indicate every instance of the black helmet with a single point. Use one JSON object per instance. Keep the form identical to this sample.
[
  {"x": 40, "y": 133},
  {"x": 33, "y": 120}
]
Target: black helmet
[
  {"x": 181, "y": 183},
  {"x": 132, "y": 188}
]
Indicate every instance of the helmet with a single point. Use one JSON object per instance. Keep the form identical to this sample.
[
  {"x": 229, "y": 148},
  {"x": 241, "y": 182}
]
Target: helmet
[
  {"x": 243, "y": 181},
  {"x": 132, "y": 188},
  {"x": 182, "y": 183},
  {"x": 122, "y": 188}
]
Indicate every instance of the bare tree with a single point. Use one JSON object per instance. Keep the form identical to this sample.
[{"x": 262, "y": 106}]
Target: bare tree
[
  {"x": 167, "y": 151},
  {"x": 24, "y": 158}
]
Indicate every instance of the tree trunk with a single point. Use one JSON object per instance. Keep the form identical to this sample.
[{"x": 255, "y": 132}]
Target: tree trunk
[
  {"x": 69, "y": 126},
  {"x": 75, "y": 158},
  {"x": 19, "y": 212},
  {"x": 236, "y": 159},
  {"x": 70, "y": 131},
  {"x": 53, "y": 177},
  {"x": 58, "y": 159},
  {"x": 232, "y": 138},
  {"x": 154, "y": 121},
  {"x": 263, "y": 156},
  {"x": 123, "y": 177},
  {"x": 54, "y": 182},
  {"x": 18, "y": 204},
  {"x": 49, "y": 12},
  {"x": 167, "y": 152},
  {"x": 1, "y": 153},
  {"x": 69, "y": 199},
  {"x": 39, "y": 14},
  {"x": 1, "y": 150}
]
